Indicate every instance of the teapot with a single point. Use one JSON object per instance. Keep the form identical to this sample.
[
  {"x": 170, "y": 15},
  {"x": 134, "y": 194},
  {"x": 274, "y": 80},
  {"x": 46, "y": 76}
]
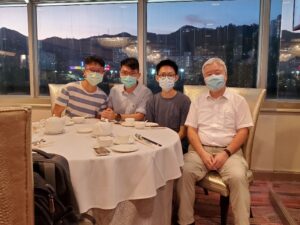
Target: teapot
[
  {"x": 54, "y": 125},
  {"x": 102, "y": 129}
]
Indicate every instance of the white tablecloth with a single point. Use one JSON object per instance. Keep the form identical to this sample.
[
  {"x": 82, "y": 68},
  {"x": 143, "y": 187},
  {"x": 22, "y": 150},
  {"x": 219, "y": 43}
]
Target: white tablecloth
[{"x": 104, "y": 181}]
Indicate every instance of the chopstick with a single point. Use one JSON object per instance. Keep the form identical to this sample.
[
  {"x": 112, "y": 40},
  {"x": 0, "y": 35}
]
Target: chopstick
[{"x": 153, "y": 142}]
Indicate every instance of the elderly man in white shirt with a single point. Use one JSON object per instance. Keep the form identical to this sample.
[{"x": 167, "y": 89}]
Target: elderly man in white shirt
[
  {"x": 128, "y": 100},
  {"x": 218, "y": 123}
]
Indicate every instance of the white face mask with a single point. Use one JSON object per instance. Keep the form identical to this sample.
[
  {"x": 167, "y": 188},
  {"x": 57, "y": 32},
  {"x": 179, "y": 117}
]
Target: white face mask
[
  {"x": 166, "y": 83},
  {"x": 215, "y": 82},
  {"x": 94, "y": 78}
]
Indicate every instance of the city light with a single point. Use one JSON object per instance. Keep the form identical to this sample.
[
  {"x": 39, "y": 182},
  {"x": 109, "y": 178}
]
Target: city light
[
  {"x": 107, "y": 67},
  {"x": 75, "y": 67},
  {"x": 152, "y": 71}
]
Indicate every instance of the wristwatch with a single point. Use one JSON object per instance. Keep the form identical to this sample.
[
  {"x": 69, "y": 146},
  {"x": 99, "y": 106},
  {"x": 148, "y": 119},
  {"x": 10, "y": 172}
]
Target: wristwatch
[
  {"x": 227, "y": 152},
  {"x": 118, "y": 117}
]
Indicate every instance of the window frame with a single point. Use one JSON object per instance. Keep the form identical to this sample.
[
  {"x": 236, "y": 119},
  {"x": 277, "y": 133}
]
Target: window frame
[{"x": 36, "y": 100}]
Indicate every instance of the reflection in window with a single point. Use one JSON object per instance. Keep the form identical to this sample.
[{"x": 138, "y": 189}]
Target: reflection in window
[
  {"x": 67, "y": 34},
  {"x": 191, "y": 32},
  {"x": 286, "y": 80},
  {"x": 14, "y": 71},
  {"x": 274, "y": 45}
]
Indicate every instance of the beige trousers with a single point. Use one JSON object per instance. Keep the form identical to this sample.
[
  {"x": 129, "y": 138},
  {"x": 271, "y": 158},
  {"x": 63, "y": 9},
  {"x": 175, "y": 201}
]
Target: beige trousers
[{"x": 233, "y": 173}]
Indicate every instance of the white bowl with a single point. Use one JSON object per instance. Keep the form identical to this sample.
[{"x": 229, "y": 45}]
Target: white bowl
[
  {"x": 105, "y": 141},
  {"x": 78, "y": 119},
  {"x": 139, "y": 124},
  {"x": 129, "y": 121},
  {"x": 122, "y": 139}
]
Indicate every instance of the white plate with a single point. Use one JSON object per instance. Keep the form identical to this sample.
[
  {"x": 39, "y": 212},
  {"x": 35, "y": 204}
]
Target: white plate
[
  {"x": 53, "y": 133},
  {"x": 125, "y": 124},
  {"x": 84, "y": 130},
  {"x": 124, "y": 148},
  {"x": 150, "y": 124}
]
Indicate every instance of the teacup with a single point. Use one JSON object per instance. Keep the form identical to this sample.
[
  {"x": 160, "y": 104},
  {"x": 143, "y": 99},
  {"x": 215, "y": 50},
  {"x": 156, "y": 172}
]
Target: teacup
[
  {"x": 78, "y": 119},
  {"x": 105, "y": 141},
  {"x": 67, "y": 119},
  {"x": 102, "y": 129},
  {"x": 122, "y": 139},
  {"x": 139, "y": 124},
  {"x": 129, "y": 121}
]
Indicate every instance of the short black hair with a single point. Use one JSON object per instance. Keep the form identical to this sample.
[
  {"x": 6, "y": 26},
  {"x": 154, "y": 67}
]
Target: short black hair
[
  {"x": 131, "y": 62},
  {"x": 167, "y": 62},
  {"x": 94, "y": 59}
]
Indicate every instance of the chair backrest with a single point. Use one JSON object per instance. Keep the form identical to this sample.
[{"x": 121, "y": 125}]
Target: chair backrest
[
  {"x": 54, "y": 90},
  {"x": 16, "y": 186},
  {"x": 253, "y": 96}
]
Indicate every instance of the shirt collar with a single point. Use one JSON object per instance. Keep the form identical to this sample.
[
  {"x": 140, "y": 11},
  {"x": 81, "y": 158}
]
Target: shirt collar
[
  {"x": 225, "y": 95},
  {"x": 135, "y": 91}
]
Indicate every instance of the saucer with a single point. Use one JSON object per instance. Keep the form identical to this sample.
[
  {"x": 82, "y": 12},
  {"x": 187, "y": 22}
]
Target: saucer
[
  {"x": 124, "y": 148},
  {"x": 53, "y": 133},
  {"x": 126, "y": 124},
  {"x": 70, "y": 123},
  {"x": 84, "y": 130},
  {"x": 151, "y": 124}
]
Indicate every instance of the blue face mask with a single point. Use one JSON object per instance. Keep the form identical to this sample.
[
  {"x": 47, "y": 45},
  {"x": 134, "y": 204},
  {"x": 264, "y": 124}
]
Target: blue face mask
[
  {"x": 166, "y": 83},
  {"x": 128, "y": 81},
  {"x": 94, "y": 78},
  {"x": 215, "y": 82}
]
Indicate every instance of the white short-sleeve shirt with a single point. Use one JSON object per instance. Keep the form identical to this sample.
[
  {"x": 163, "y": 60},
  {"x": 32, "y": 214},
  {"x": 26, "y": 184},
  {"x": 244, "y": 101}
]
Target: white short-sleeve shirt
[{"x": 218, "y": 120}]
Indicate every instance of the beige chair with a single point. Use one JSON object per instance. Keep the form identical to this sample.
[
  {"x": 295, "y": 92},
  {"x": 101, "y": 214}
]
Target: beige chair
[
  {"x": 54, "y": 90},
  {"x": 213, "y": 181},
  {"x": 16, "y": 186}
]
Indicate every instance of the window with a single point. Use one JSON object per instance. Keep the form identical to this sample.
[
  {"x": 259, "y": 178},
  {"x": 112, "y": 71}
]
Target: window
[
  {"x": 14, "y": 71},
  {"x": 191, "y": 32},
  {"x": 284, "y": 82},
  {"x": 274, "y": 46},
  {"x": 188, "y": 32},
  {"x": 69, "y": 33}
]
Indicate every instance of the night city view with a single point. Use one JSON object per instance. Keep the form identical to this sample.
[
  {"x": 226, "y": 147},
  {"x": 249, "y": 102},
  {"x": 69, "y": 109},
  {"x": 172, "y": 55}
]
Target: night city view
[{"x": 189, "y": 44}]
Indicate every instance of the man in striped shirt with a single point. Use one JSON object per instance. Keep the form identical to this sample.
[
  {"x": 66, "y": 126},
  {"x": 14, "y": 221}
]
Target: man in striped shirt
[{"x": 84, "y": 98}]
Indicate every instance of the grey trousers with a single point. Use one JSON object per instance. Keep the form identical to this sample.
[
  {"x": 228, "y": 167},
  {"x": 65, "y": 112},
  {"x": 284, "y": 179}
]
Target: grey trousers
[{"x": 233, "y": 173}]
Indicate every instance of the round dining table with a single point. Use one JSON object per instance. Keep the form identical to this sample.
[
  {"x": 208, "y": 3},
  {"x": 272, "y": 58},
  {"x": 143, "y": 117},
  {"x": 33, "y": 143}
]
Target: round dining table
[{"x": 123, "y": 187}]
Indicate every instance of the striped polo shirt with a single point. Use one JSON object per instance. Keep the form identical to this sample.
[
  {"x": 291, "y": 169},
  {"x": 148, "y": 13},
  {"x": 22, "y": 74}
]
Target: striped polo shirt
[{"x": 79, "y": 102}]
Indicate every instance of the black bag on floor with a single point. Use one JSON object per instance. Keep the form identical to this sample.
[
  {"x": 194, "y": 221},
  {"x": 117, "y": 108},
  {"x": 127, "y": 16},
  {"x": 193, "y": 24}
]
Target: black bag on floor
[
  {"x": 55, "y": 170},
  {"x": 53, "y": 188},
  {"x": 48, "y": 208}
]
